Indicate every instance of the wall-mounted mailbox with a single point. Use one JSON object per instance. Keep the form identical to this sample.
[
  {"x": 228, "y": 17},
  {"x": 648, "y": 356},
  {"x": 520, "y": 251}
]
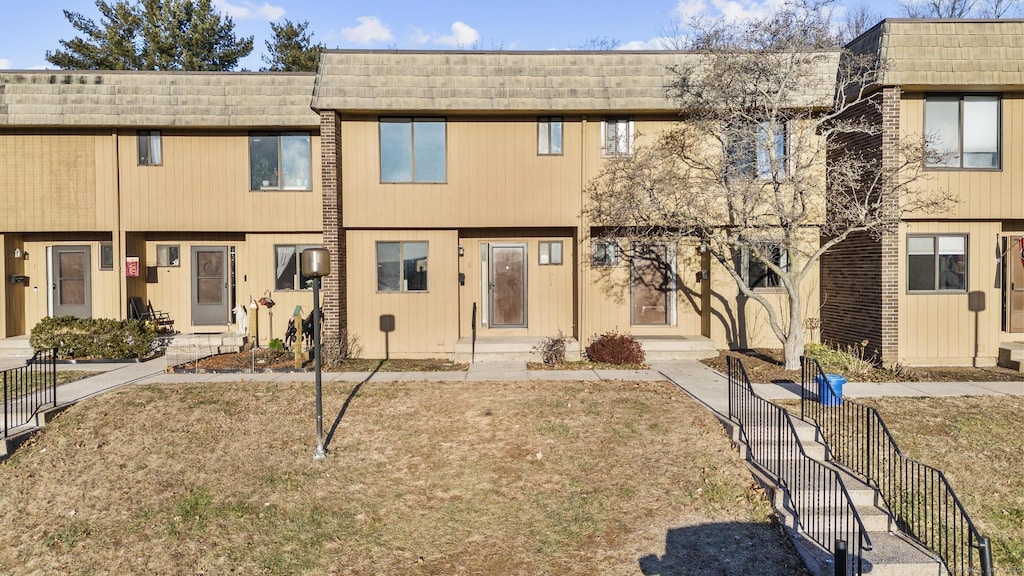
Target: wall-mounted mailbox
[{"x": 18, "y": 279}]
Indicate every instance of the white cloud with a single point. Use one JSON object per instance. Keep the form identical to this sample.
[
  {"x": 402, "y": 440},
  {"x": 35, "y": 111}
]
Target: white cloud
[
  {"x": 652, "y": 44},
  {"x": 462, "y": 36},
  {"x": 249, "y": 10},
  {"x": 5, "y": 64},
  {"x": 370, "y": 29},
  {"x": 418, "y": 36},
  {"x": 730, "y": 10}
]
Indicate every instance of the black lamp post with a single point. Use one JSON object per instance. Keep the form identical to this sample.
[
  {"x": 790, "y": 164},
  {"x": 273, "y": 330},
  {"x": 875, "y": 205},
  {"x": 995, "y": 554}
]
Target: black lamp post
[{"x": 316, "y": 263}]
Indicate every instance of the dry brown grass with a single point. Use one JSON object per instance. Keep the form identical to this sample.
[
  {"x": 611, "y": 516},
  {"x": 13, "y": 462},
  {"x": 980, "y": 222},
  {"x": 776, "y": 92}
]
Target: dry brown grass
[
  {"x": 525, "y": 478},
  {"x": 978, "y": 442}
]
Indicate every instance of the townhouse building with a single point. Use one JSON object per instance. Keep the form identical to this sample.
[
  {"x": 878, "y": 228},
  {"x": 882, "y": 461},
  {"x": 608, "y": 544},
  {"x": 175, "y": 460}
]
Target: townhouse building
[
  {"x": 451, "y": 187},
  {"x": 948, "y": 288}
]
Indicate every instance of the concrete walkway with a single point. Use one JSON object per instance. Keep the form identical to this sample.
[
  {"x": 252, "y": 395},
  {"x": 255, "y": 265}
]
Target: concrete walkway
[{"x": 704, "y": 384}]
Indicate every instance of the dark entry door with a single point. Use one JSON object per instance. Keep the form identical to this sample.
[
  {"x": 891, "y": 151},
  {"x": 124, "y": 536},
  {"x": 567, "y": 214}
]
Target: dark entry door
[
  {"x": 1015, "y": 286},
  {"x": 209, "y": 285},
  {"x": 651, "y": 284},
  {"x": 508, "y": 286},
  {"x": 72, "y": 290}
]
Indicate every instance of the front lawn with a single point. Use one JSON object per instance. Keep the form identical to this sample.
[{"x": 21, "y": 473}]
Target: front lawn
[{"x": 450, "y": 478}]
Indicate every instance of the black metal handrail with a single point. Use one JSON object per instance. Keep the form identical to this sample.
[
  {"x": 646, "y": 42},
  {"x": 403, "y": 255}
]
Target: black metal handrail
[
  {"x": 29, "y": 388},
  {"x": 919, "y": 496},
  {"x": 817, "y": 492}
]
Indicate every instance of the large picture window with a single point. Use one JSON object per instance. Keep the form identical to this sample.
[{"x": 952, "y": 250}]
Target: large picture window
[
  {"x": 401, "y": 266},
  {"x": 964, "y": 131},
  {"x": 413, "y": 150},
  {"x": 287, "y": 271},
  {"x": 280, "y": 161},
  {"x": 937, "y": 263}
]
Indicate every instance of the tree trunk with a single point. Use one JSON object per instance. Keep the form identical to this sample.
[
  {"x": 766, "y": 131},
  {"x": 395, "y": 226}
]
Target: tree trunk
[{"x": 793, "y": 347}]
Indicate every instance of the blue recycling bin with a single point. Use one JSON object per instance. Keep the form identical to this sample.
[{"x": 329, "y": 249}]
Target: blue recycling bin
[{"x": 830, "y": 389}]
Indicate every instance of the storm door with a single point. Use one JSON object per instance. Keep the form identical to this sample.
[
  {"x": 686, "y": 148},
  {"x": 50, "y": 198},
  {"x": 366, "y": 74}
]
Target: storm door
[
  {"x": 508, "y": 286},
  {"x": 651, "y": 284},
  {"x": 209, "y": 285},
  {"x": 1015, "y": 285},
  {"x": 72, "y": 290}
]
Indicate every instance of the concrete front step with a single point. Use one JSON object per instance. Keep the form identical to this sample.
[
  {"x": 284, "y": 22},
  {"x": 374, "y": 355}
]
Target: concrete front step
[
  {"x": 1011, "y": 355},
  {"x": 188, "y": 347},
  {"x": 681, "y": 347},
  {"x": 507, "y": 349},
  {"x": 895, "y": 555}
]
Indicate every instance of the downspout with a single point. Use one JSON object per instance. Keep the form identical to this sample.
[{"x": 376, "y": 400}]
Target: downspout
[
  {"x": 582, "y": 283},
  {"x": 118, "y": 233}
]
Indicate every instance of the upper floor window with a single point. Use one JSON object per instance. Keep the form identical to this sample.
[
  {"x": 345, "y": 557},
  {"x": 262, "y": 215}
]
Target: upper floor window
[
  {"x": 413, "y": 150},
  {"x": 964, "y": 129},
  {"x": 150, "y": 148},
  {"x": 758, "y": 149},
  {"x": 401, "y": 266},
  {"x": 287, "y": 272},
  {"x": 757, "y": 272},
  {"x": 937, "y": 263},
  {"x": 616, "y": 137},
  {"x": 549, "y": 136},
  {"x": 280, "y": 161}
]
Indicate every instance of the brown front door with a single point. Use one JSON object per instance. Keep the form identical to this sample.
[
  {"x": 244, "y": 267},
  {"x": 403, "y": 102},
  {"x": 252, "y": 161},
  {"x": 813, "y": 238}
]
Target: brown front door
[
  {"x": 651, "y": 284},
  {"x": 508, "y": 286},
  {"x": 1014, "y": 286},
  {"x": 72, "y": 290},
  {"x": 209, "y": 285}
]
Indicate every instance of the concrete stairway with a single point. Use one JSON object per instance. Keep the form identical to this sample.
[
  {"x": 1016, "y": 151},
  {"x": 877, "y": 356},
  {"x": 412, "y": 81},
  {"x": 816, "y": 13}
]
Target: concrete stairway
[
  {"x": 1011, "y": 355},
  {"x": 182, "y": 348},
  {"x": 892, "y": 554}
]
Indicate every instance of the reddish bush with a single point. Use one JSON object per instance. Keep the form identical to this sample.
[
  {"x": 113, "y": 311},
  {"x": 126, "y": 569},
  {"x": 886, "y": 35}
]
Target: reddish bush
[{"x": 615, "y": 348}]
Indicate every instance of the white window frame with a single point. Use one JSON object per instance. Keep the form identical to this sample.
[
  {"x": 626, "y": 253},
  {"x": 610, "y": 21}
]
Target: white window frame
[
  {"x": 547, "y": 255},
  {"x": 165, "y": 255},
  {"x": 625, "y": 134},
  {"x": 297, "y": 278}
]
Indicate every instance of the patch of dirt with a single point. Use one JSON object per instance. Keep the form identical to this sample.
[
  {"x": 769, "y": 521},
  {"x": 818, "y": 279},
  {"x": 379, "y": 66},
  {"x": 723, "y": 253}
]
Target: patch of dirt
[
  {"x": 523, "y": 478},
  {"x": 766, "y": 365},
  {"x": 584, "y": 365},
  {"x": 268, "y": 360}
]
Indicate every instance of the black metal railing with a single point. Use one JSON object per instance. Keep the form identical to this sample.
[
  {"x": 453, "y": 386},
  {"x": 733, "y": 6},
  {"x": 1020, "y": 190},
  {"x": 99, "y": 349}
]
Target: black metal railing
[
  {"x": 816, "y": 492},
  {"x": 919, "y": 497},
  {"x": 29, "y": 388}
]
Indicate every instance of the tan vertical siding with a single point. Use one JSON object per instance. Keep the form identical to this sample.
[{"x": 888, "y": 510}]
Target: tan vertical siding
[
  {"x": 203, "y": 185},
  {"x": 938, "y": 328},
  {"x": 981, "y": 193},
  {"x": 426, "y": 323},
  {"x": 54, "y": 181},
  {"x": 550, "y": 299}
]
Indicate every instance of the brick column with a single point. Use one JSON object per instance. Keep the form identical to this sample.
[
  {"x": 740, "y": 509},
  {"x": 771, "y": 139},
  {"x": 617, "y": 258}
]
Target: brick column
[
  {"x": 890, "y": 242},
  {"x": 335, "y": 301}
]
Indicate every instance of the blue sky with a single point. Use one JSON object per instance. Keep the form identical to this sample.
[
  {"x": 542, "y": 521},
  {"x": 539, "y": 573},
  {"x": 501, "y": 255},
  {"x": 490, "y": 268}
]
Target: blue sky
[{"x": 29, "y": 28}]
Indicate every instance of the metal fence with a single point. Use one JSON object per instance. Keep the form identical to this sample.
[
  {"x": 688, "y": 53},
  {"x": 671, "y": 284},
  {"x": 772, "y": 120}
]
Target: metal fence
[
  {"x": 817, "y": 493},
  {"x": 29, "y": 388},
  {"x": 918, "y": 496}
]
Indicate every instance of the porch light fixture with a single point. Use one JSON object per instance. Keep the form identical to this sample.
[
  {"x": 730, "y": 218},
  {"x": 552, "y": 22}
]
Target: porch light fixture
[{"x": 316, "y": 263}]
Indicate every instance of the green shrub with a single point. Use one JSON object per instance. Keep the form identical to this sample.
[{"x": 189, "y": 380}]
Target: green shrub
[
  {"x": 552, "y": 349},
  {"x": 275, "y": 344},
  {"x": 615, "y": 348},
  {"x": 93, "y": 337}
]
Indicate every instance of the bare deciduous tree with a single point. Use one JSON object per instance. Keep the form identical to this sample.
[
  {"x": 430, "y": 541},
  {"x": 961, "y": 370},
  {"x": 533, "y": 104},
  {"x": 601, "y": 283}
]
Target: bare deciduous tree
[
  {"x": 856, "y": 21},
  {"x": 951, "y": 9},
  {"x": 756, "y": 170}
]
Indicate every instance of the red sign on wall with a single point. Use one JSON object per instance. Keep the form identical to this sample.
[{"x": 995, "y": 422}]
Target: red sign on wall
[{"x": 131, "y": 266}]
